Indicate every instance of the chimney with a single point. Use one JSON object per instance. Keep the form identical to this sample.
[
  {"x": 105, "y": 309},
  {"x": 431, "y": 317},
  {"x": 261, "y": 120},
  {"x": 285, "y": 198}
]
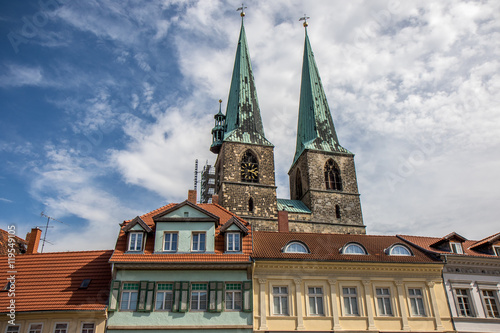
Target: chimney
[
  {"x": 282, "y": 221},
  {"x": 192, "y": 196},
  {"x": 33, "y": 239},
  {"x": 215, "y": 199}
]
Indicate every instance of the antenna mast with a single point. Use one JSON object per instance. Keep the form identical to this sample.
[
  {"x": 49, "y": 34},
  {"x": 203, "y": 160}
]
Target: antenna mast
[{"x": 47, "y": 228}]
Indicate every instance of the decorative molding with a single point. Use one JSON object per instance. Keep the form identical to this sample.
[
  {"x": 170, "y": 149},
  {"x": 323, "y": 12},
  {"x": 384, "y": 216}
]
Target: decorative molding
[
  {"x": 430, "y": 284},
  {"x": 297, "y": 281},
  {"x": 366, "y": 282},
  {"x": 262, "y": 281},
  {"x": 471, "y": 270},
  {"x": 332, "y": 281}
]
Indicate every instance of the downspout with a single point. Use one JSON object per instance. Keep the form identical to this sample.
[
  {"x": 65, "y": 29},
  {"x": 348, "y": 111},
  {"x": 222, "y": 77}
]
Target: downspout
[{"x": 446, "y": 291}]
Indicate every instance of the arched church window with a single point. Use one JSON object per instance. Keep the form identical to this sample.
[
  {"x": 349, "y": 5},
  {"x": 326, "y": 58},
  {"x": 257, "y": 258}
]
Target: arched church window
[
  {"x": 337, "y": 211},
  {"x": 250, "y": 205},
  {"x": 332, "y": 176},
  {"x": 298, "y": 185},
  {"x": 249, "y": 168}
]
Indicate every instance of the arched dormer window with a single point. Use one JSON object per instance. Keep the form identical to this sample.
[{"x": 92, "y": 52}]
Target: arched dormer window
[
  {"x": 250, "y": 205},
  {"x": 298, "y": 185},
  {"x": 353, "y": 248},
  {"x": 249, "y": 168},
  {"x": 296, "y": 247},
  {"x": 399, "y": 250},
  {"x": 332, "y": 176}
]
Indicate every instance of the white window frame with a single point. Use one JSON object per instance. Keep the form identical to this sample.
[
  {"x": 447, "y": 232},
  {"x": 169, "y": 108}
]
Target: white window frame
[
  {"x": 170, "y": 249},
  {"x": 233, "y": 300},
  {"x": 317, "y": 298},
  {"x": 198, "y": 242},
  {"x": 487, "y": 300},
  {"x": 88, "y": 322},
  {"x": 199, "y": 292},
  {"x": 30, "y": 330},
  {"x": 281, "y": 295},
  {"x": 61, "y": 323},
  {"x": 456, "y": 247},
  {"x": 496, "y": 250},
  {"x": 354, "y": 245},
  {"x": 468, "y": 296},
  {"x": 165, "y": 293},
  {"x": 143, "y": 236},
  {"x": 390, "y": 297},
  {"x": 130, "y": 292},
  {"x": 230, "y": 245},
  {"x": 18, "y": 328},
  {"x": 391, "y": 253},
  {"x": 356, "y": 297},
  {"x": 288, "y": 250},
  {"x": 423, "y": 312}
]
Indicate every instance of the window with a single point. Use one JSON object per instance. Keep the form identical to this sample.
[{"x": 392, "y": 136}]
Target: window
[
  {"x": 416, "y": 301},
  {"x": 233, "y": 296},
  {"x": 383, "y": 301},
  {"x": 35, "y": 328},
  {"x": 298, "y": 185},
  {"x": 211, "y": 181},
  {"x": 456, "y": 247},
  {"x": 199, "y": 296},
  {"x": 462, "y": 299},
  {"x": 61, "y": 328},
  {"x": 353, "y": 248},
  {"x": 490, "y": 303},
  {"x": 211, "y": 190},
  {"x": 164, "y": 296},
  {"x": 280, "y": 300},
  {"x": 170, "y": 242},
  {"x": 13, "y": 329},
  {"x": 337, "y": 211},
  {"x": 88, "y": 328},
  {"x": 198, "y": 242},
  {"x": 496, "y": 249},
  {"x": 129, "y": 296},
  {"x": 135, "y": 241},
  {"x": 233, "y": 242},
  {"x": 250, "y": 205},
  {"x": 296, "y": 247},
  {"x": 85, "y": 284},
  {"x": 315, "y": 300},
  {"x": 399, "y": 250},
  {"x": 249, "y": 168},
  {"x": 332, "y": 176},
  {"x": 350, "y": 301}
]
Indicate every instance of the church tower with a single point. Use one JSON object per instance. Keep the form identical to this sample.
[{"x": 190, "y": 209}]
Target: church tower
[
  {"x": 322, "y": 175},
  {"x": 245, "y": 181}
]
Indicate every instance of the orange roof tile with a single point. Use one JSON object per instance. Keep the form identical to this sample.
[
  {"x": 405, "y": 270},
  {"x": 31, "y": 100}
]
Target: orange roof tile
[
  {"x": 51, "y": 281},
  {"x": 269, "y": 245},
  {"x": 20, "y": 244},
  {"x": 120, "y": 255}
]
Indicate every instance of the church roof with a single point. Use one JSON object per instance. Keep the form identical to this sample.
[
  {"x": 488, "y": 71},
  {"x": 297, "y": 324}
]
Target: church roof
[
  {"x": 315, "y": 129},
  {"x": 243, "y": 120},
  {"x": 293, "y": 206}
]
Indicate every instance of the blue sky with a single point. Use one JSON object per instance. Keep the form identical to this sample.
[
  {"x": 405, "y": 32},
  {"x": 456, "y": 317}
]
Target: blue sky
[{"x": 105, "y": 105}]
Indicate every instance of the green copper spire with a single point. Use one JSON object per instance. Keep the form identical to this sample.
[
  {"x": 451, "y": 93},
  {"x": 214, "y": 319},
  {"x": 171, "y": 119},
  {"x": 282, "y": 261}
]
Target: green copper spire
[
  {"x": 315, "y": 128},
  {"x": 243, "y": 121}
]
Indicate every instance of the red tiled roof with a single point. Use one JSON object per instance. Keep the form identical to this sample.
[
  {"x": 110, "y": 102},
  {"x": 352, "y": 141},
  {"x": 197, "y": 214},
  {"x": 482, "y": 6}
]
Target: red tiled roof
[
  {"x": 426, "y": 242},
  {"x": 51, "y": 281},
  {"x": 119, "y": 255},
  {"x": 4, "y": 241},
  {"x": 269, "y": 245},
  {"x": 490, "y": 239}
]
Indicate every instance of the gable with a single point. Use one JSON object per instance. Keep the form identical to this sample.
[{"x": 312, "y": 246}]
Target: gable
[
  {"x": 182, "y": 211},
  {"x": 233, "y": 228},
  {"x": 136, "y": 227}
]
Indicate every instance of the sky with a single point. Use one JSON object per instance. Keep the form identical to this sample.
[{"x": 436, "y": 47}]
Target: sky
[{"x": 106, "y": 105}]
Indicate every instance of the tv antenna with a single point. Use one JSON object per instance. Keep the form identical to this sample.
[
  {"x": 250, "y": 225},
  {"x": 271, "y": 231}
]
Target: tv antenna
[{"x": 47, "y": 228}]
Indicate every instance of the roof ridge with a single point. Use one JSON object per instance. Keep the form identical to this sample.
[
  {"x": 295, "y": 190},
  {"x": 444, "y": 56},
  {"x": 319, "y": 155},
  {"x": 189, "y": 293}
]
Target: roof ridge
[
  {"x": 320, "y": 234},
  {"x": 227, "y": 211},
  {"x": 64, "y": 252}
]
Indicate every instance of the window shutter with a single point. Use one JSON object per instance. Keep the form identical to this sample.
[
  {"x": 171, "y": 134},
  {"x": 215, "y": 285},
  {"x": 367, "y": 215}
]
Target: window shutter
[
  {"x": 149, "y": 296},
  {"x": 220, "y": 296},
  {"x": 215, "y": 290},
  {"x": 184, "y": 301},
  {"x": 247, "y": 296},
  {"x": 143, "y": 288},
  {"x": 114, "y": 296},
  {"x": 177, "y": 297}
]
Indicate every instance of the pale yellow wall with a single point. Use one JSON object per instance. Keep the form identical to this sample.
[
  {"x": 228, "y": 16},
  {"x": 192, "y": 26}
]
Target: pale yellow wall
[
  {"x": 366, "y": 278},
  {"x": 49, "y": 319}
]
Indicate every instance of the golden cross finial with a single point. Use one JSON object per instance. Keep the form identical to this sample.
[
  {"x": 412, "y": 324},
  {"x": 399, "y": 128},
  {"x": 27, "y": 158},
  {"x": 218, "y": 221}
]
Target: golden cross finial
[
  {"x": 304, "y": 18},
  {"x": 242, "y": 8}
]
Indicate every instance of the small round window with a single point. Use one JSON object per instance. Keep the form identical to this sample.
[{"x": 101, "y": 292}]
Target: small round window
[
  {"x": 296, "y": 247},
  {"x": 399, "y": 250},
  {"x": 353, "y": 249}
]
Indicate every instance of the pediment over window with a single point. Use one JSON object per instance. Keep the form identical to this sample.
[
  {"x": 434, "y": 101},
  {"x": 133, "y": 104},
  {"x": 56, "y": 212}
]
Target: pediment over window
[
  {"x": 186, "y": 212},
  {"x": 233, "y": 224},
  {"x": 137, "y": 224}
]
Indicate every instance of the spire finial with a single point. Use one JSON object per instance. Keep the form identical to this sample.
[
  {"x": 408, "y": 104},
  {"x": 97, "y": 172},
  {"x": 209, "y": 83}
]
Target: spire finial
[
  {"x": 304, "y": 18},
  {"x": 242, "y": 8},
  {"x": 220, "y": 105}
]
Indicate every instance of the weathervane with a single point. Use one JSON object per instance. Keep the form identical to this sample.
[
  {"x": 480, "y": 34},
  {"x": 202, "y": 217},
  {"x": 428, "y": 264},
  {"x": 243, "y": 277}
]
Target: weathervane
[
  {"x": 304, "y": 18},
  {"x": 242, "y": 8}
]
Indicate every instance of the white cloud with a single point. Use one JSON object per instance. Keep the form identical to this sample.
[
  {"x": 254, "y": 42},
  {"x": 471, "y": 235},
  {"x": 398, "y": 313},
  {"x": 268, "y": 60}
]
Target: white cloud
[{"x": 17, "y": 76}]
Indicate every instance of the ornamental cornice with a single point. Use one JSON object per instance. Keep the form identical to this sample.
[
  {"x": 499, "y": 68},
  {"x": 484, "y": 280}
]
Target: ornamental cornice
[{"x": 452, "y": 269}]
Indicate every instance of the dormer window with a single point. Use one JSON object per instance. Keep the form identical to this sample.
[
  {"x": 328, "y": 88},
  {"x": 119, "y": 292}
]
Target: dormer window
[
  {"x": 198, "y": 243},
  {"x": 135, "y": 241},
  {"x": 399, "y": 250},
  {"x": 233, "y": 242},
  {"x": 353, "y": 248},
  {"x": 456, "y": 247},
  {"x": 295, "y": 247},
  {"x": 496, "y": 249}
]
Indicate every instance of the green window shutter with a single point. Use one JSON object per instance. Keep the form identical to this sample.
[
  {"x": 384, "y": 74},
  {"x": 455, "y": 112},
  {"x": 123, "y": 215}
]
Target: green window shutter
[
  {"x": 141, "y": 301},
  {"x": 247, "y": 296},
  {"x": 184, "y": 297},
  {"x": 114, "y": 296},
  {"x": 177, "y": 297},
  {"x": 215, "y": 294},
  {"x": 150, "y": 296}
]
